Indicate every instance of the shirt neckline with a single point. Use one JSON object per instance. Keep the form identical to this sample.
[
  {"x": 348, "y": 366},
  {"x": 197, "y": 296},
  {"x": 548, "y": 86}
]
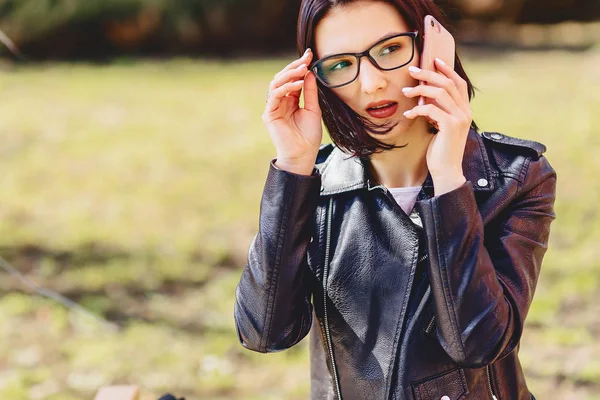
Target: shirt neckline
[{"x": 409, "y": 189}]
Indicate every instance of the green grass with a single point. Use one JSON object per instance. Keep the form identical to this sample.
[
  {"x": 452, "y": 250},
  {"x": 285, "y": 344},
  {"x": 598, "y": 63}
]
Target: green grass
[{"x": 134, "y": 189}]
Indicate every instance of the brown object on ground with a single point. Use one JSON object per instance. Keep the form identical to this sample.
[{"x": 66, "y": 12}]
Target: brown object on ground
[{"x": 118, "y": 393}]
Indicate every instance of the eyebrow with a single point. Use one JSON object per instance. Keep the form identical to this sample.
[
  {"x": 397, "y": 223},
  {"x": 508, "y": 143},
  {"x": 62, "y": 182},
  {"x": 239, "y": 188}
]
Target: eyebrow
[{"x": 386, "y": 36}]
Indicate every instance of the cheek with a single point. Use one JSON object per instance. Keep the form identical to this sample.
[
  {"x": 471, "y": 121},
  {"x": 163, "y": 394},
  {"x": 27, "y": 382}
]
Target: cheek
[
  {"x": 415, "y": 62},
  {"x": 402, "y": 78},
  {"x": 348, "y": 95}
]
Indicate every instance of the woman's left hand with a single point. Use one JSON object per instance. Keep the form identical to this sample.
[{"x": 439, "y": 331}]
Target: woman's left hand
[{"x": 451, "y": 111}]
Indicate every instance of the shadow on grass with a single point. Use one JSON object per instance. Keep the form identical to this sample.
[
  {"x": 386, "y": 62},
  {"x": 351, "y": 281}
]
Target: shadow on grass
[{"x": 120, "y": 300}]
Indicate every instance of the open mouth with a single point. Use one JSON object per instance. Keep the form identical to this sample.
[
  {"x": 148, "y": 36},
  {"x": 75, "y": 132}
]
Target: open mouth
[{"x": 383, "y": 110}]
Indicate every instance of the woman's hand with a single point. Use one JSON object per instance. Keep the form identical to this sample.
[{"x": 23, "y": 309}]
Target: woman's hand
[
  {"x": 451, "y": 111},
  {"x": 296, "y": 132}
]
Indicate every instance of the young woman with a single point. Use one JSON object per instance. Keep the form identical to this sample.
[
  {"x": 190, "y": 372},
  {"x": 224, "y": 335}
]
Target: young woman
[{"x": 410, "y": 253}]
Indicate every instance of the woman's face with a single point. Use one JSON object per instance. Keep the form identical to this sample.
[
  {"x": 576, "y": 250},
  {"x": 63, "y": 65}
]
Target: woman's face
[{"x": 353, "y": 28}]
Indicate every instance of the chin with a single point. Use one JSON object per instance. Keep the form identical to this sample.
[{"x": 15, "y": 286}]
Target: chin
[{"x": 395, "y": 136}]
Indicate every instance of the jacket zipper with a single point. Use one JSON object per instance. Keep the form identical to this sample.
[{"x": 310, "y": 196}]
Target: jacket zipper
[
  {"x": 430, "y": 326},
  {"x": 325, "y": 274},
  {"x": 489, "y": 376}
]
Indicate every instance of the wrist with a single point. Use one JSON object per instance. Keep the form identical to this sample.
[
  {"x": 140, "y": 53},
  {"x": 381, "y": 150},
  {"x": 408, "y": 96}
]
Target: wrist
[
  {"x": 447, "y": 183},
  {"x": 297, "y": 166}
]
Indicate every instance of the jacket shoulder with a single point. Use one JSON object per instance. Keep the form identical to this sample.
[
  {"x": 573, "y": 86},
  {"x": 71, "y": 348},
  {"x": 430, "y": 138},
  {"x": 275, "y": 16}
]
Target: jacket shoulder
[
  {"x": 520, "y": 158},
  {"x": 511, "y": 144}
]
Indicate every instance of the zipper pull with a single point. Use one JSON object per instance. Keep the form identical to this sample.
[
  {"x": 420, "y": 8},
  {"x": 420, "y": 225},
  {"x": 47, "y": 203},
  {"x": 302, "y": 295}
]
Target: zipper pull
[{"x": 416, "y": 218}]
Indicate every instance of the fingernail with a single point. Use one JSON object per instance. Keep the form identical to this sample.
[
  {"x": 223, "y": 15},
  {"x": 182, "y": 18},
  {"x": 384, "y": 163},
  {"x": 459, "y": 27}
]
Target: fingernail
[
  {"x": 302, "y": 66},
  {"x": 445, "y": 398},
  {"x": 439, "y": 60},
  {"x": 412, "y": 68},
  {"x": 406, "y": 89},
  {"x": 407, "y": 112}
]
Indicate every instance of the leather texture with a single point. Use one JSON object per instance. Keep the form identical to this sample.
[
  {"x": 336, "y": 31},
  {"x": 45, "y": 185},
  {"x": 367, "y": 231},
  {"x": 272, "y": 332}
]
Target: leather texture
[{"x": 402, "y": 306}]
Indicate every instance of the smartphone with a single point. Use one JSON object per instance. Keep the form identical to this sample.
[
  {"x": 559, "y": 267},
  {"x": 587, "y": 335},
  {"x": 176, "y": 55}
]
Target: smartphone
[{"x": 437, "y": 43}]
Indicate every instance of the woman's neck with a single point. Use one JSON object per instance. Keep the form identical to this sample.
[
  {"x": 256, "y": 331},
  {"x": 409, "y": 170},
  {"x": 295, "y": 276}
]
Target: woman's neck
[{"x": 406, "y": 166}]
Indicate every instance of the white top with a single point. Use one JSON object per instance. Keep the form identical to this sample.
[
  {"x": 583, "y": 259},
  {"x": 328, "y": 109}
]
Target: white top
[{"x": 406, "y": 197}]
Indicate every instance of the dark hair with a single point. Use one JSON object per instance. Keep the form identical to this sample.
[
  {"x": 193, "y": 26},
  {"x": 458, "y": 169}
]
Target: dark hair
[{"x": 348, "y": 130}]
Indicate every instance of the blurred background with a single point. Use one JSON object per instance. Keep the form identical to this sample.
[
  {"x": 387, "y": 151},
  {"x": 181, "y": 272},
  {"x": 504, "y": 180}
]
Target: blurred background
[{"x": 132, "y": 161}]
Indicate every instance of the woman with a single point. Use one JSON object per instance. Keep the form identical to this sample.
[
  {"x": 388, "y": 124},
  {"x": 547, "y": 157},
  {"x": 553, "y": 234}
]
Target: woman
[{"x": 410, "y": 253}]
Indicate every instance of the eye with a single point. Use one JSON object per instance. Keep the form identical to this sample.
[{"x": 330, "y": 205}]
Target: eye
[
  {"x": 390, "y": 49},
  {"x": 340, "y": 65}
]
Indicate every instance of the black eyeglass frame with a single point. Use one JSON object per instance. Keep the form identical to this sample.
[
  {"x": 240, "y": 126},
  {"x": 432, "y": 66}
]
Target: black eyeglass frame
[{"x": 366, "y": 53}]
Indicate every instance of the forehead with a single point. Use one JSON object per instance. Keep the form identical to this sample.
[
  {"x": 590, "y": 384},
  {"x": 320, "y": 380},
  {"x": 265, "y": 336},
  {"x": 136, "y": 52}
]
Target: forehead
[{"x": 354, "y": 27}]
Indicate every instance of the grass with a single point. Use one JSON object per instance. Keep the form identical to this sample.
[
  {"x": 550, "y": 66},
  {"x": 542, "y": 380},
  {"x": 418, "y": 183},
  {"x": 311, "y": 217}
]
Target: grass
[{"x": 133, "y": 188}]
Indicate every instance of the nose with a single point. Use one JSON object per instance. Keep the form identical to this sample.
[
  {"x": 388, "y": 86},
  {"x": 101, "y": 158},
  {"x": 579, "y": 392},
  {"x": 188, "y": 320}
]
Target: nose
[{"x": 371, "y": 78}]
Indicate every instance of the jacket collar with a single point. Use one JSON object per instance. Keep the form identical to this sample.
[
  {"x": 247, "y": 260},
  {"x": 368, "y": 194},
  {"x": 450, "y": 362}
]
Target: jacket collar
[{"x": 342, "y": 173}]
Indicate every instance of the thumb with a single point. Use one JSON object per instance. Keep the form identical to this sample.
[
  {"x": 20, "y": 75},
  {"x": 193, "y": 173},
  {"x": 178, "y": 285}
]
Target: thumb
[{"x": 311, "y": 93}]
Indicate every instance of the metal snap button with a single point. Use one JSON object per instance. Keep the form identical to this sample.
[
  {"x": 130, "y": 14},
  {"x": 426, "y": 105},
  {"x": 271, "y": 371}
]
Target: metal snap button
[
  {"x": 496, "y": 136},
  {"x": 482, "y": 182}
]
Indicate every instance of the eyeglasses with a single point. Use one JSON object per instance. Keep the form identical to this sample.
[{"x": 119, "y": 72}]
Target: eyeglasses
[{"x": 388, "y": 54}]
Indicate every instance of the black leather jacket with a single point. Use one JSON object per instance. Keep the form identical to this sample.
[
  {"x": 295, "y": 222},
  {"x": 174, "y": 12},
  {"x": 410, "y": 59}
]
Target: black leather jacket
[{"x": 402, "y": 306}]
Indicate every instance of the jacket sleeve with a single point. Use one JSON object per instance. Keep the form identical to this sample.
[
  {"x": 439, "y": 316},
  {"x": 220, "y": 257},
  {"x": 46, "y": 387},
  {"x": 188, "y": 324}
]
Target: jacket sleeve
[
  {"x": 483, "y": 286},
  {"x": 272, "y": 307}
]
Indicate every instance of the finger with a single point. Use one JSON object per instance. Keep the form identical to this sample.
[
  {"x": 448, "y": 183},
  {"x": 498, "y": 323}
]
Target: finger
[
  {"x": 431, "y": 111},
  {"x": 450, "y": 73},
  {"x": 311, "y": 94},
  {"x": 277, "y": 95},
  {"x": 440, "y": 95},
  {"x": 437, "y": 79},
  {"x": 289, "y": 76},
  {"x": 305, "y": 59}
]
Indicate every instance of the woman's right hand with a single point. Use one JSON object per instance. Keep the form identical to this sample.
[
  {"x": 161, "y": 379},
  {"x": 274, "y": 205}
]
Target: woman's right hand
[{"x": 296, "y": 132}]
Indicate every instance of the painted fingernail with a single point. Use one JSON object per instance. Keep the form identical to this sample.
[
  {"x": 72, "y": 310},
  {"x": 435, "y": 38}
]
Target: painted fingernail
[
  {"x": 407, "y": 112},
  {"x": 439, "y": 60},
  {"x": 445, "y": 398},
  {"x": 407, "y": 89},
  {"x": 301, "y": 66},
  {"x": 412, "y": 68}
]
